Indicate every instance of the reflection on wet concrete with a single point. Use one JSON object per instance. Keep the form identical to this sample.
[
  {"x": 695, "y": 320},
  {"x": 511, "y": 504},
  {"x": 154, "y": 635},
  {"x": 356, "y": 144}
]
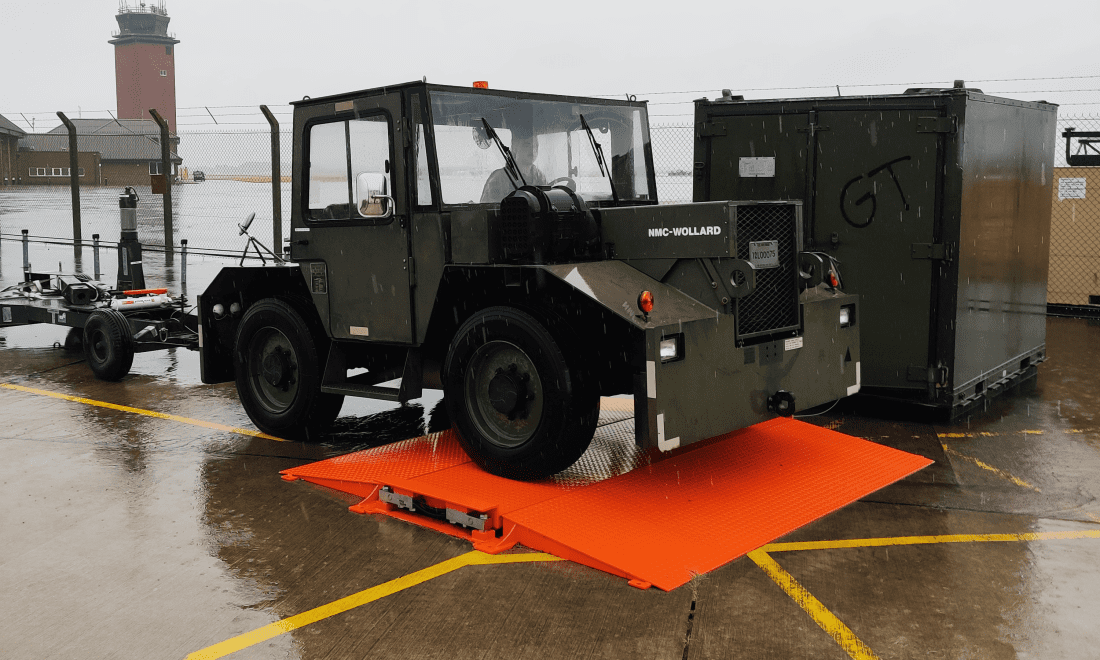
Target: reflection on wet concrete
[{"x": 141, "y": 537}]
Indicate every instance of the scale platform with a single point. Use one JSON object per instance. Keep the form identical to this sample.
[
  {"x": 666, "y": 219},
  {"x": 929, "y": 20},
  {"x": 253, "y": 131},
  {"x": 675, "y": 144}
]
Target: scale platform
[{"x": 653, "y": 519}]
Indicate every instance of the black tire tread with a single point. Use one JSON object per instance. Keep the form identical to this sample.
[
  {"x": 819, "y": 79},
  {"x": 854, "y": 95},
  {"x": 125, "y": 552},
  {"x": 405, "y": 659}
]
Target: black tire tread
[
  {"x": 115, "y": 330},
  {"x": 570, "y": 416},
  {"x": 312, "y": 412}
]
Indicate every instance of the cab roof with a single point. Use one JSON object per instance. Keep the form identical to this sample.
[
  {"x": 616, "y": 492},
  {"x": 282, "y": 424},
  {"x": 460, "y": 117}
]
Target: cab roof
[{"x": 430, "y": 87}]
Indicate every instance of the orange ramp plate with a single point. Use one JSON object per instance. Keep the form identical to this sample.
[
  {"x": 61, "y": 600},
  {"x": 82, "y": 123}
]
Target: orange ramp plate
[{"x": 654, "y": 522}]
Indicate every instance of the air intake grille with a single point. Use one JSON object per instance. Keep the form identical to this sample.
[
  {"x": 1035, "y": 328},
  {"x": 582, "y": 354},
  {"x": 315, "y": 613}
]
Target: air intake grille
[
  {"x": 515, "y": 228},
  {"x": 773, "y": 306}
]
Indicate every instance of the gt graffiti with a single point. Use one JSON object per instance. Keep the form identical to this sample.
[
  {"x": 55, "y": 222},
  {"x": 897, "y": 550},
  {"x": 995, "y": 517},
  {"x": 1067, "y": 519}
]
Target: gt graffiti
[{"x": 872, "y": 194}]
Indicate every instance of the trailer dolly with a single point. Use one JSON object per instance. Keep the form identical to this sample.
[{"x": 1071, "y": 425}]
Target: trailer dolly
[{"x": 111, "y": 324}]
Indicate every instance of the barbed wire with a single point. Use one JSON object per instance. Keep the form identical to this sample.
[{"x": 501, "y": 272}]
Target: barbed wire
[
  {"x": 196, "y": 112},
  {"x": 833, "y": 85}
]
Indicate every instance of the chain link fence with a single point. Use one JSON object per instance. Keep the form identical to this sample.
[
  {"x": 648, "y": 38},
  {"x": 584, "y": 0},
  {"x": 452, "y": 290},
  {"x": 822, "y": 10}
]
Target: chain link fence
[
  {"x": 235, "y": 180},
  {"x": 673, "y": 154}
]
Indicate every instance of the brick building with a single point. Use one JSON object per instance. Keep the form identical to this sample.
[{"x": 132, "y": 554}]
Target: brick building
[
  {"x": 122, "y": 152},
  {"x": 10, "y": 134}
]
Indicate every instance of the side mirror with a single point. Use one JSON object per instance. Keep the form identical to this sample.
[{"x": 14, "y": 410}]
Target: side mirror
[{"x": 372, "y": 198}]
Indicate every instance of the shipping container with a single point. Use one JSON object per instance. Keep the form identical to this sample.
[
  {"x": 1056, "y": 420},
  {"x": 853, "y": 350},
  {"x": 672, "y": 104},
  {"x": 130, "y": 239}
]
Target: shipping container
[{"x": 936, "y": 203}]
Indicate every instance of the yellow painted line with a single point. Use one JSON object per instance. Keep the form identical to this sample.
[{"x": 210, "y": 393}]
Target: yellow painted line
[
  {"x": 994, "y": 434},
  {"x": 986, "y": 466},
  {"x": 473, "y": 558},
  {"x": 925, "y": 540},
  {"x": 821, "y": 615},
  {"x": 141, "y": 411}
]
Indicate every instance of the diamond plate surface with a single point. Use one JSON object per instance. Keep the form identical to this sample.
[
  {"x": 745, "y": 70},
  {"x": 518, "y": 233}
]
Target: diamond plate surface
[
  {"x": 611, "y": 453},
  {"x": 703, "y": 508},
  {"x": 401, "y": 460}
]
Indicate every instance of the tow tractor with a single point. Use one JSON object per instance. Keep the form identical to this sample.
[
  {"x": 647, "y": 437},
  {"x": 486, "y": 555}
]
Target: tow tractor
[
  {"x": 110, "y": 323},
  {"x": 509, "y": 249}
]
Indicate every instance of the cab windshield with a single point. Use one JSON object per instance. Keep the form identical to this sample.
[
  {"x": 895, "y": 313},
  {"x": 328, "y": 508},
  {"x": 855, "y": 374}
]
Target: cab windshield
[{"x": 548, "y": 144}]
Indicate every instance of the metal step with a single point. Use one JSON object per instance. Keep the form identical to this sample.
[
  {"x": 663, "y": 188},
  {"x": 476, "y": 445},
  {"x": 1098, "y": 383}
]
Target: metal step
[{"x": 370, "y": 391}]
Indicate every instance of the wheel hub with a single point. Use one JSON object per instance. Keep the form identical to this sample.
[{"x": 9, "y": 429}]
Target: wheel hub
[
  {"x": 276, "y": 368},
  {"x": 508, "y": 391}
]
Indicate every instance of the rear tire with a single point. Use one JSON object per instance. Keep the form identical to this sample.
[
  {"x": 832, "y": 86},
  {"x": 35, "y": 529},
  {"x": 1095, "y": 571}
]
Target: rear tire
[
  {"x": 108, "y": 344},
  {"x": 278, "y": 365},
  {"x": 514, "y": 396}
]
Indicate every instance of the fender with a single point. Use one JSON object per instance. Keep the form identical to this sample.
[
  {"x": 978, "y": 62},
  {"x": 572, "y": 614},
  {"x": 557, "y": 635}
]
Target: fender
[
  {"x": 616, "y": 286},
  {"x": 240, "y": 286}
]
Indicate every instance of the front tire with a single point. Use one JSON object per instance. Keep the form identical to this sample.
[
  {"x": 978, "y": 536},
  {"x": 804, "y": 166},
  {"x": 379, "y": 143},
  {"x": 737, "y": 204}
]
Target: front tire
[
  {"x": 278, "y": 367},
  {"x": 515, "y": 397}
]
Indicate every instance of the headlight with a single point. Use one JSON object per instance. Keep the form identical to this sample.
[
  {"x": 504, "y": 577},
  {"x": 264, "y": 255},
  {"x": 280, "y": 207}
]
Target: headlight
[
  {"x": 672, "y": 348},
  {"x": 847, "y": 316}
]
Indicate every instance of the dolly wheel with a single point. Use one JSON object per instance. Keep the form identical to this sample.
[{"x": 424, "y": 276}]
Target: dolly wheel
[
  {"x": 108, "y": 344},
  {"x": 514, "y": 397},
  {"x": 278, "y": 364}
]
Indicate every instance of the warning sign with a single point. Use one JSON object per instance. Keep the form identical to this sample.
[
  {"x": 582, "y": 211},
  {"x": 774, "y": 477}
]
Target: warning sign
[{"x": 1071, "y": 188}]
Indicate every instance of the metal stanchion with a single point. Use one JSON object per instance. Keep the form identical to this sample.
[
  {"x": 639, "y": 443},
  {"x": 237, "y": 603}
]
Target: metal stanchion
[
  {"x": 183, "y": 267},
  {"x": 131, "y": 273},
  {"x": 26, "y": 257},
  {"x": 95, "y": 254}
]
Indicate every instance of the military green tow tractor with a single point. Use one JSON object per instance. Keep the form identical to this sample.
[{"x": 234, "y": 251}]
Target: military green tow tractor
[{"x": 509, "y": 249}]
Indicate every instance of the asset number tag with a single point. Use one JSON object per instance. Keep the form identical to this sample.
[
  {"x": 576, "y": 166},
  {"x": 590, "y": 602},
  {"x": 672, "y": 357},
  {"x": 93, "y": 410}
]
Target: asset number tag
[{"x": 764, "y": 254}]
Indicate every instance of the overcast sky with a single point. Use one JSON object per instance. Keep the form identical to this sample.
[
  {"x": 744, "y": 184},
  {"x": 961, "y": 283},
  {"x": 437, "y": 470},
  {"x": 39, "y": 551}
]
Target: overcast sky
[{"x": 236, "y": 53}]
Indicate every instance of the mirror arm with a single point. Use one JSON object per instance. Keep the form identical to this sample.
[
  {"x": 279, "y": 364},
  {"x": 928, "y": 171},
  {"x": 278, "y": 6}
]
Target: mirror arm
[{"x": 389, "y": 207}]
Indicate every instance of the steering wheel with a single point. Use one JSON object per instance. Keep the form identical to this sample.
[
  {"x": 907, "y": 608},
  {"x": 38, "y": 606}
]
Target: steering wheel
[{"x": 568, "y": 181}]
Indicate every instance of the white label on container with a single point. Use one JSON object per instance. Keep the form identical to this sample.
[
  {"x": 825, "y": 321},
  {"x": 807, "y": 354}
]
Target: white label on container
[
  {"x": 792, "y": 343},
  {"x": 1071, "y": 188},
  {"x": 7, "y": 315},
  {"x": 756, "y": 167}
]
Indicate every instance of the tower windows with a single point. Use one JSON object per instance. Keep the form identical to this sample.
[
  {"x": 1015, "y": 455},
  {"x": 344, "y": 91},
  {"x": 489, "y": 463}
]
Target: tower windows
[{"x": 163, "y": 73}]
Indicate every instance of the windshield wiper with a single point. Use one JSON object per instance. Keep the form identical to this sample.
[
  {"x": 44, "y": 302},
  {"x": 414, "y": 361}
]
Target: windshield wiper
[
  {"x": 598, "y": 151},
  {"x": 511, "y": 169}
]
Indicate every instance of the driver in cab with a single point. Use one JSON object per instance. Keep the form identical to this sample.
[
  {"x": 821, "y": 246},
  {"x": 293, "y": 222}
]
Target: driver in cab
[{"x": 525, "y": 149}]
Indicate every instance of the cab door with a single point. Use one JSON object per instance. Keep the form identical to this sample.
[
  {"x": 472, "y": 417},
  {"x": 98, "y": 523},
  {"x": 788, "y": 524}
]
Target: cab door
[{"x": 357, "y": 212}]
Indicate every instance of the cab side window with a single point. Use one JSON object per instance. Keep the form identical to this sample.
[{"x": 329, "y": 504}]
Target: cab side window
[{"x": 349, "y": 170}]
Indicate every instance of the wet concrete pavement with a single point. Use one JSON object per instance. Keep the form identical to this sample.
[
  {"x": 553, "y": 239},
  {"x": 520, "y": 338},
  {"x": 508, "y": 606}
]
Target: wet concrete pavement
[{"x": 124, "y": 535}]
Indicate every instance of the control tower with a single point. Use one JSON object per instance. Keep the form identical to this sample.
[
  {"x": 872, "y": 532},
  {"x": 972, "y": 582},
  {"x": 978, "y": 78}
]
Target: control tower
[{"x": 145, "y": 62}]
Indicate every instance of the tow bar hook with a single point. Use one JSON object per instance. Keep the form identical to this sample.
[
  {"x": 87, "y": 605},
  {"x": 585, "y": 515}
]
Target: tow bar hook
[{"x": 781, "y": 403}]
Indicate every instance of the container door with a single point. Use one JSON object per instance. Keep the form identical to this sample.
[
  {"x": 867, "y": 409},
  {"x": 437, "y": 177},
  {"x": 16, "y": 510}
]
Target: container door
[
  {"x": 357, "y": 211},
  {"x": 876, "y": 181}
]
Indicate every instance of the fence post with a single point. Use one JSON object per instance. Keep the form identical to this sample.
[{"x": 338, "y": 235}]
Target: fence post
[
  {"x": 276, "y": 183},
  {"x": 74, "y": 178},
  {"x": 166, "y": 172}
]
